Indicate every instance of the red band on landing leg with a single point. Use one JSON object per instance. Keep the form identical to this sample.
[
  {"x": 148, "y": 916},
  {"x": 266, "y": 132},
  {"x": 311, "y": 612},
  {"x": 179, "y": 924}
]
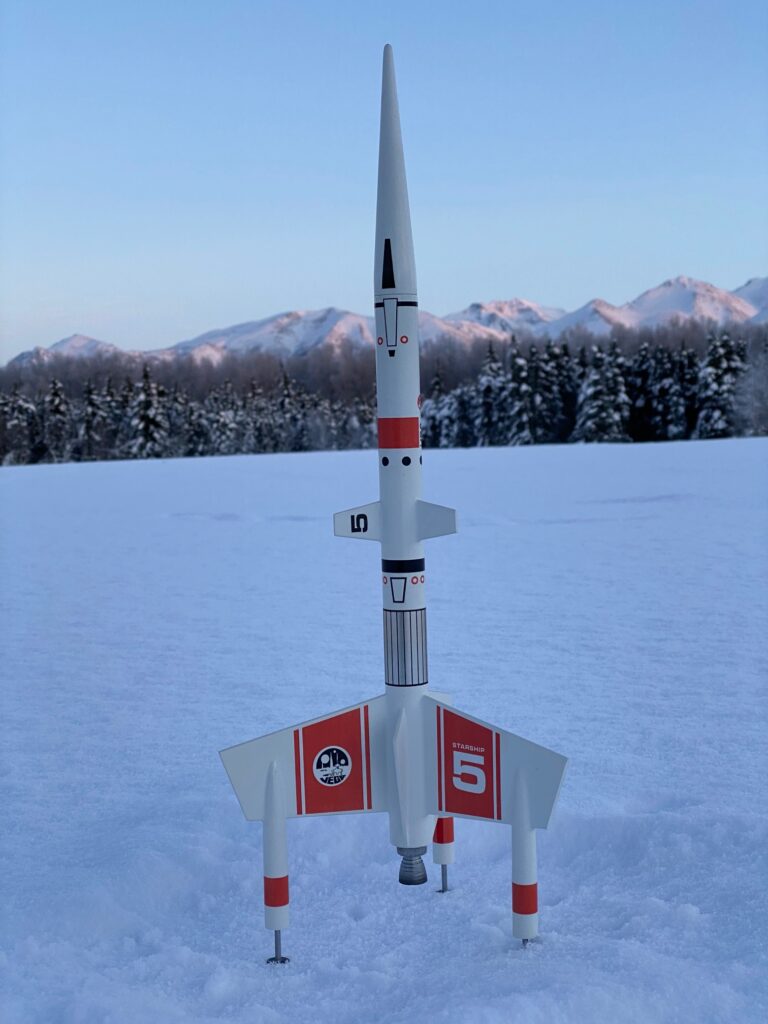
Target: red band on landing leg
[
  {"x": 276, "y": 891},
  {"x": 525, "y": 898},
  {"x": 443, "y": 831}
]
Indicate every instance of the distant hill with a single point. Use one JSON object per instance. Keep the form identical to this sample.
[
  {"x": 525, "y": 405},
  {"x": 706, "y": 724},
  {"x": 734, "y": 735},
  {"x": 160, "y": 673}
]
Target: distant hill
[{"x": 298, "y": 332}]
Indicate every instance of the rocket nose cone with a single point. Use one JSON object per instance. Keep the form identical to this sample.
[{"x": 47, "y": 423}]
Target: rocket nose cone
[
  {"x": 393, "y": 220},
  {"x": 388, "y": 88}
]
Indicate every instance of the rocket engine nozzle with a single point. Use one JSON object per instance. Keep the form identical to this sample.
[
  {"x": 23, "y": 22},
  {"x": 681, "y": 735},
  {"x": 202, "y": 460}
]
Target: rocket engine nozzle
[{"x": 412, "y": 870}]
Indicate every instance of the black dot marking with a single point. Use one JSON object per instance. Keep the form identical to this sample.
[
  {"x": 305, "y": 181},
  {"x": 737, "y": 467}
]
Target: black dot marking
[
  {"x": 406, "y": 460},
  {"x": 385, "y": 461},
  {"x": 420, "y": 460}
]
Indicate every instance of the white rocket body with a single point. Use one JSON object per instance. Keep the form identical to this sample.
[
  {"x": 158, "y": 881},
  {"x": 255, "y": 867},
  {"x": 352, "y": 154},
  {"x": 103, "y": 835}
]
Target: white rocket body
[{"x": 406, "y": 753}]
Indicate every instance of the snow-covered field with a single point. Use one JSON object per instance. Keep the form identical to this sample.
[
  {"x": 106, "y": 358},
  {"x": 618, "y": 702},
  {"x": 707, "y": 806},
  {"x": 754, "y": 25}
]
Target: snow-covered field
[{"x": 607, "y": 601}]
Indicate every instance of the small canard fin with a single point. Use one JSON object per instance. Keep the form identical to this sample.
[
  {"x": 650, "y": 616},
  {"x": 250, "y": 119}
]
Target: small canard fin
[{"x": 361, "y": 523}]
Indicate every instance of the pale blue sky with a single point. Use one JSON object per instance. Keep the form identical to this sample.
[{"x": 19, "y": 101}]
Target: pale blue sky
[{"x": 176, "y": 165}]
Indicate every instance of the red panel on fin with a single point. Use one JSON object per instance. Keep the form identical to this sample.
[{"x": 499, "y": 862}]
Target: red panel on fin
[{"x": 333, "y": 764}]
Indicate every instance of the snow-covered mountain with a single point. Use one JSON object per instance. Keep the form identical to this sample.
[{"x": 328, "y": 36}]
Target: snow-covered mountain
[
  {"x": 755, "y": 292},
  {"x": 684, "y": 298},
  {"x": 77, "y": 346},
  {"x": 508, "y": 316},
  {"x": 297, "y": 332},
  {"x": 285, "y": 334},
  {"x": 597, "y": 316}
]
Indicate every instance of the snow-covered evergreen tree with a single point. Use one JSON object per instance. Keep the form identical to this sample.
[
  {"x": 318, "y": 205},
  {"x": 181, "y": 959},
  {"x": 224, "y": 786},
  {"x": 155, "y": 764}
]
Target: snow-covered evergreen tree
[
  {"x": 667, "y": 407},
  {"x": 431, "y": 419},
  {"x": 57, "y": 424},
  {"x": 546, "y": 403},
  {"x": 458, "y": 417},
  {"x": 292, "y": 416},
  {"x": 177, "y": 411},
  {"x": 688, "y": 370},
  {"x": 147, "y": 429},
  {"x": 519, "y": 423},
  {"x": 603, "y": 404},
  {"x": 22, "y": 431},
  {"x": 568, "y": 388},
  {"x": 365, "y": 414},
  {"x": 719, "y": 376},
  {"x": 226, "y": 425},
  {"x": 91, "y": 424},
  {"x": 112, "y": 410},
  {"x": 492, "y": 411},
  {"x": 260, "y": 433},
  {"x": 197, "y": 431},
  {"x": 639, "y": 375},
  {"x": 582, "y": 365},
  {"x": 752, "y": 391}
]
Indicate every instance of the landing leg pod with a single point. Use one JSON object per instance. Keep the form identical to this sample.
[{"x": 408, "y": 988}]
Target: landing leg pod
[
  {"x": 525, "y": 899},
  {"x": 275, "y": 863}
]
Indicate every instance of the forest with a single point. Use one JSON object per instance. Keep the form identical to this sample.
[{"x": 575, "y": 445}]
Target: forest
[{"x": 673, "y": 383}]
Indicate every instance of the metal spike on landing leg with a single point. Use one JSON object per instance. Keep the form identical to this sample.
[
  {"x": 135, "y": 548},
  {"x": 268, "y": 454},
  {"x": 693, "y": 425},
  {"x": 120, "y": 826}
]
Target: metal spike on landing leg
[
  {"x": 442, "y": 848},
  {"x": 278, "y": 958}
]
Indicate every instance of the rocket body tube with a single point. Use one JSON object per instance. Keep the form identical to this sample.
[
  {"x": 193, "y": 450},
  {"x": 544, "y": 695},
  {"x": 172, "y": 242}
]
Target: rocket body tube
[
  {"x": 399, "y": 440},
  {"x": 398, "y": 405}
]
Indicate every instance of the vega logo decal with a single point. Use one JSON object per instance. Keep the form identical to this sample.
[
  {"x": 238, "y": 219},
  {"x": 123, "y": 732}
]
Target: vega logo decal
[{"x": 332, "y": 766}]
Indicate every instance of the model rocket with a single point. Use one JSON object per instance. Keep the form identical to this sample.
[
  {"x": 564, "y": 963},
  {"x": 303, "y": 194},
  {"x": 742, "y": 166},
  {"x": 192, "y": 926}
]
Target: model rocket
[{"x": 406, "y": 753}]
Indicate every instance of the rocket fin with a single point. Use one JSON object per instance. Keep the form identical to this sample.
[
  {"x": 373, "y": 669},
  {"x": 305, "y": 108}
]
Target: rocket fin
[
  {"x": 476, "y": 764},
  {"x": 330, "y": 765},
  {"x": 434, "y": 520},
  {"x": 361, "y": 523}
]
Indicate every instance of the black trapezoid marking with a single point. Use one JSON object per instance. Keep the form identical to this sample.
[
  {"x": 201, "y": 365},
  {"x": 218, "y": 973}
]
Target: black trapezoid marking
[
  {"x": 387, "y": 270},
  {"x": 407, "y": 303},
  {"x": 402, "y": 565},
  {"x": 398, "y": 592}
]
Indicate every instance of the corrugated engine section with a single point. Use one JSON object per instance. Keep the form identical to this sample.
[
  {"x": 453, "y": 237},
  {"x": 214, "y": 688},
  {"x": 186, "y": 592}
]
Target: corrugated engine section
[{"x": 405, "y": 647}]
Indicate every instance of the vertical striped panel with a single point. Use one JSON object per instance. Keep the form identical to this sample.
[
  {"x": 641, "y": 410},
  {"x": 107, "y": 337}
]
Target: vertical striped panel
[{"x": 405, "y": 647}]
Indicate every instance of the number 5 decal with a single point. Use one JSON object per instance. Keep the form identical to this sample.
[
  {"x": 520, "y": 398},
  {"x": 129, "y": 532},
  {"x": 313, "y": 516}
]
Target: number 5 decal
[{"x": 464, "y": 765}]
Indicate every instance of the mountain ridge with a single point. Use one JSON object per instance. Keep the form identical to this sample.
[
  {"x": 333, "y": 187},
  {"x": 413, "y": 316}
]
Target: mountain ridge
[{"x": 296, "y": 332}]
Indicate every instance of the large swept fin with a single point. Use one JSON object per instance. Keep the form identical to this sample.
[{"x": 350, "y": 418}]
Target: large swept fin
[
  {"x": 329, "y": 765},
  {"x": 476, "y": 764}
]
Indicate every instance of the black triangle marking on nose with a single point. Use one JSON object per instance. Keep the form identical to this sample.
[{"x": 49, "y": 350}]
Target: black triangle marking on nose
[{"x": 388, "y": 270}]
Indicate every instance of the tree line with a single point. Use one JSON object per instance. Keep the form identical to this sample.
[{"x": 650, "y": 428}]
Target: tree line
[{"x": 636, "y": 388}]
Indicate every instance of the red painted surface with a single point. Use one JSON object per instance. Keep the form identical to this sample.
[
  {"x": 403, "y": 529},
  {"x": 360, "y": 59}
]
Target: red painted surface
[
  {"x": 399, "y": 432},
  {"x": 340, "y": 731},
  {"x": 297, "y": 770},
  {"x": 525, "y": 898},
  {"x": 276, "y": 891},
  {"x": 497, "y": 741},
  {"x": 468, "y": 766},
  {"x": 443, "y": 831},
  {"x": 369, "y": 801},
  {"x": 439, "y": 764}
]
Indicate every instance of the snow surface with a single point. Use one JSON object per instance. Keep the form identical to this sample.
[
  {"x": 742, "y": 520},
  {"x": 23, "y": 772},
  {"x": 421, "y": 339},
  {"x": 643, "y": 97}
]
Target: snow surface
[{"x": 607, "y": 601}]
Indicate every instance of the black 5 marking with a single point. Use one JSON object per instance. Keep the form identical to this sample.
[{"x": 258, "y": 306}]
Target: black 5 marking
[{"x": 359, "y": 523}]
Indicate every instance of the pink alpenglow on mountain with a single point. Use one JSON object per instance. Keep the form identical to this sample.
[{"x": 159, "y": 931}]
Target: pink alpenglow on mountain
[{"x": 295, "y": 333}]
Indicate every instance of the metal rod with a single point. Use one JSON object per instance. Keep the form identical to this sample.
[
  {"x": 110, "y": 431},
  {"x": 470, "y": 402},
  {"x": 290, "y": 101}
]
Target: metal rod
[
  {"x": 278, "y": 958},
  {"x": 444, "y": 877}
]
